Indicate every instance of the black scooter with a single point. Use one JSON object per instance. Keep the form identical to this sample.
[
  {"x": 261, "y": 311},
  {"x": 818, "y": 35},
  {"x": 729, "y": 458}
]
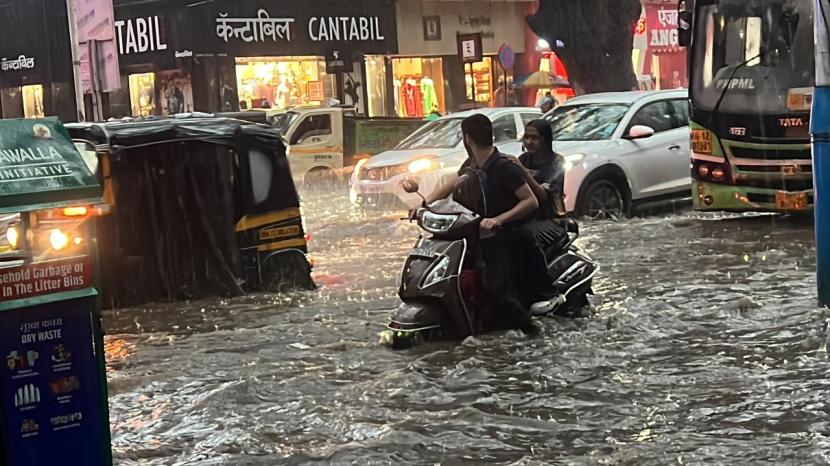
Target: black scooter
[{"x": 441, "y": 289}]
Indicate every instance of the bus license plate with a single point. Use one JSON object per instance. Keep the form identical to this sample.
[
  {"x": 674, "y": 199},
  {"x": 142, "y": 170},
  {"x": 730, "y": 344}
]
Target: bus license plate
[{"x": 790, "y": 201}]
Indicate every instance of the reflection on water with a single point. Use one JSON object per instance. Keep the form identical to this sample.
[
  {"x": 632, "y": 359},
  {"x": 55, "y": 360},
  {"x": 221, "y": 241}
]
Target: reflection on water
[{"x": 706, "y": 347}]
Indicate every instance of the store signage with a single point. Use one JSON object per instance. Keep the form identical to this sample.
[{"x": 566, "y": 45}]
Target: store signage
[
  {"x": 345, "y": 28},
  {"x": 139, "y": 35},
  {"x": 469, "y": 48},
  {"x": 662, "y": 28},
  {"x": 184, "y": 54},
  {"x": 432, "y": 28},
  {"x": 339, "y": 61},
  {"x": 253, "y": 29},
  {"x": 20, "y": 63},
  {"x": 46, "y": 277},
  {"x": 50, "y": 386},
  {"x": 100, "y": 71}
]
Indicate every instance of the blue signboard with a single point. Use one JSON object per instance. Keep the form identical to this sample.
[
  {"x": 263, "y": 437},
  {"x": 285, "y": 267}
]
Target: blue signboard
[{"x": 50, "y": 386}]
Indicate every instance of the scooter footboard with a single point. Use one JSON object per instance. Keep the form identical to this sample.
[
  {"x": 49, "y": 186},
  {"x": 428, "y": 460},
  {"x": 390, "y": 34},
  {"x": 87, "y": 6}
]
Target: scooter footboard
[
  {"x": 419, "y": 316},
  {"x": 572, "y": 271}
]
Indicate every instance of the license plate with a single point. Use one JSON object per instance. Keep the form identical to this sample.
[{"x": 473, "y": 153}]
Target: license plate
[{"x": 790, "y": 201}]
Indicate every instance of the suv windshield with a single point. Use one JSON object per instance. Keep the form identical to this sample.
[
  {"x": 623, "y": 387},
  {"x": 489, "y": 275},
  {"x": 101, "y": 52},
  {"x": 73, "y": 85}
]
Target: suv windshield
[
  {"x": 440, "y": 134},
  {"x": 766, "y": 38},
  {"x": 589, "y": 122}
]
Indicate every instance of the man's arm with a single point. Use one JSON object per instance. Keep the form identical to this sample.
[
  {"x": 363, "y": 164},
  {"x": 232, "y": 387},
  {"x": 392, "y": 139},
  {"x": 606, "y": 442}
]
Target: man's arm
[
  {"x": 443, "y": 192},
  {"x": 527, "y": 205}
]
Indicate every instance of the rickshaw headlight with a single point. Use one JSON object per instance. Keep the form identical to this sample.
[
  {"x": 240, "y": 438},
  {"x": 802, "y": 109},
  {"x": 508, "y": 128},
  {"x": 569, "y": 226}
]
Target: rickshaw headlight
[
  {"x": 58, "y": 239},
  {"x": 13, "y": 236}
]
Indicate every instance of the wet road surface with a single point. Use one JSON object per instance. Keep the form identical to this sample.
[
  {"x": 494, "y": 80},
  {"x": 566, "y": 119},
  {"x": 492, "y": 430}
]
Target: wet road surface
[{"x": 706, "y": 347}]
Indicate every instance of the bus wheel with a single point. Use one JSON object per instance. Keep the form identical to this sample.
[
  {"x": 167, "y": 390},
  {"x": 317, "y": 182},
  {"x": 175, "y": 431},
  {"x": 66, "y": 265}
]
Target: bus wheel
[{"x": 603, "y": 200}]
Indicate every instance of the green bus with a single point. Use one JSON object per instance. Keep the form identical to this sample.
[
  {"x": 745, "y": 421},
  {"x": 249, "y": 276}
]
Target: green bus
[{"x": 751, "y": 79}]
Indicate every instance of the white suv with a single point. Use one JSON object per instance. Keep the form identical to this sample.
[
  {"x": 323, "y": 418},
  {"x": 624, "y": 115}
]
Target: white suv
[
  {"x": 623, "y": 150},
  {"x": 431, "y": 154}
]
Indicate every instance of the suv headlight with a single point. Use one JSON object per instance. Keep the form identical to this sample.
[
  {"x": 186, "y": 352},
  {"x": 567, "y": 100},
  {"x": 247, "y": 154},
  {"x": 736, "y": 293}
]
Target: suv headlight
[
  {"x": 437, "y": 223},
  {"x": 421, "y": 165}
]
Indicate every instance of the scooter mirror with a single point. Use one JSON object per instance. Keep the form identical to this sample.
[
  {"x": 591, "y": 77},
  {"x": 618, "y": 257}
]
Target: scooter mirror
[{"x": 410, "y": 186}]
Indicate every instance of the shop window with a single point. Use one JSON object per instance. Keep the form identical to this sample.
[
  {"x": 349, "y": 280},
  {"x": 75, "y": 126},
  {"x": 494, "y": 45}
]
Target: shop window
[
  {"x": 283, "y": 82},
  {"x": 313, "y": 126},
  {"x": 504, "y": 129},
  {"x": 656, "y": 115},
  {"x": 480, "y": 82},
  {"x": 33, "y": 101},
  {"x": 143, "y": 94},
  {"x": 418, "y": 86},
  {"x": 376, "y": 85}
]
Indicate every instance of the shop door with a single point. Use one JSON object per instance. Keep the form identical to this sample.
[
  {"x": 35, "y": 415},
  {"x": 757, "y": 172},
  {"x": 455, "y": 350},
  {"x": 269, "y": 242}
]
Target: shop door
[{"x": 316, "y": 143}]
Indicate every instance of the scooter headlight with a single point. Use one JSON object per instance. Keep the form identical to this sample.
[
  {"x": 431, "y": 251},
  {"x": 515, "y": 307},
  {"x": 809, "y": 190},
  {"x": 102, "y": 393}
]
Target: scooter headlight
[
  {"x": 437, "y": 223},
  {"x": 438, "y": 272}
]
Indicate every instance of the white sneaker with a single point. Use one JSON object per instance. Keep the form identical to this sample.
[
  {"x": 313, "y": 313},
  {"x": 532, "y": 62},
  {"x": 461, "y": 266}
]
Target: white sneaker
[{"x": 545, "y": 307}]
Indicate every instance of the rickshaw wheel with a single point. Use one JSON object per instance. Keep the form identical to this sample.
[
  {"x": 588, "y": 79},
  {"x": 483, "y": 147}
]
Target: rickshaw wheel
[{"x": 286, "y": 271}]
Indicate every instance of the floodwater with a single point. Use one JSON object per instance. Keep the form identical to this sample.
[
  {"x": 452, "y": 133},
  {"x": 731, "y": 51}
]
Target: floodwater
[{"x": 706, "y": 347}]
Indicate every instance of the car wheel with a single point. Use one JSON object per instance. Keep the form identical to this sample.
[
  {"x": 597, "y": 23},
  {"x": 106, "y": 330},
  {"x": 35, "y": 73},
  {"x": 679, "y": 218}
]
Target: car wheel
[{"x": 603, "y": 200}]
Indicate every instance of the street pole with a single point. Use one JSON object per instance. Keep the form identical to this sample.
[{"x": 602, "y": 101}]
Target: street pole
[
  {"x": 76, "y": 60},
  {"x": 820, "y": 128}
]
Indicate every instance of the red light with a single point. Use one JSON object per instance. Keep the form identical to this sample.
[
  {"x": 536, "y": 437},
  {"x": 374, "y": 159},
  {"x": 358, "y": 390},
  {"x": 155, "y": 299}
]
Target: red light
[{"x": 307, "y": 237}]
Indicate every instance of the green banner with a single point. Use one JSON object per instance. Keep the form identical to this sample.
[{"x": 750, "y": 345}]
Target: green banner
[{"x": 41, "y": 168}]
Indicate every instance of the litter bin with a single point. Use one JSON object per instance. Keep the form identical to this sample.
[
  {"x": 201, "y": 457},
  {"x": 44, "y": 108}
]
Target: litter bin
[{"x": 53, "y": 396}]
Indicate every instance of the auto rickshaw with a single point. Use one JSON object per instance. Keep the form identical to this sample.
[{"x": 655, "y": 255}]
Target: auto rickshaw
[{"x": 195, "y": 206}]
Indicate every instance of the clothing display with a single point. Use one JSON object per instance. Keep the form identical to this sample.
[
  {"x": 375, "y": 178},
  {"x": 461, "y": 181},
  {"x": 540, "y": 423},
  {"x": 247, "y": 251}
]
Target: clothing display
[
  {"x": 399, "y": 110},
  {"x": 412, "y": 98},
  {"x": 430, "y": 96},
  {"x": 418, "y": 86}
]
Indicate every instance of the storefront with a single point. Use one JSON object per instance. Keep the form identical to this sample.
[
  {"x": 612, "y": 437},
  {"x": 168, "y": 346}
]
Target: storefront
[
  {"x": 426, "y": 75},
  {"x": 35, "y": 65},
  {"x": 225, "y": 55},
  {"x": 664, "y": 60}
]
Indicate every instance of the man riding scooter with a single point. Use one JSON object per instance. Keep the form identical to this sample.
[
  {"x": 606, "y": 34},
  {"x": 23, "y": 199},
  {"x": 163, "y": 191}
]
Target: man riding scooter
[{"x": 506, "y": 201}]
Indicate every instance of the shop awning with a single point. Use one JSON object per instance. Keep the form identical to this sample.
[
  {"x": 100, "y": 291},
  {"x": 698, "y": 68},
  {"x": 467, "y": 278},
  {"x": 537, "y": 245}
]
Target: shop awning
[
  {"x": 41, "y": 168},
  {"x": 543, "y": 80}
]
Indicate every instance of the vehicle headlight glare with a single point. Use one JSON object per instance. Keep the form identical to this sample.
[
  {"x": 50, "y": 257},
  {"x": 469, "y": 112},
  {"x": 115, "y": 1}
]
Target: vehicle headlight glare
[
  {"x": 58, "y": 239},
  {"x": 437, "y": 223},
  {"x": 13, "y": 236},
  {"x": 359, "y": 165},
  {"x": 420, "y": 165}
]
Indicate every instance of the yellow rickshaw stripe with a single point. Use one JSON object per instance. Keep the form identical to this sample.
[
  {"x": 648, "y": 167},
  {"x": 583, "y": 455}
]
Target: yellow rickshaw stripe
[
  {"x": 287, "y": 244},
  {"x": 253, "y": 221}
]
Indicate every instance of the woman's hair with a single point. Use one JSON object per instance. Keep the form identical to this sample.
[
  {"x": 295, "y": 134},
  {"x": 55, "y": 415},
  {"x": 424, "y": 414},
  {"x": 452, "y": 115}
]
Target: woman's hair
[
  {"x": 545, "y": 133},
  {"x": 546, "y": 136}
]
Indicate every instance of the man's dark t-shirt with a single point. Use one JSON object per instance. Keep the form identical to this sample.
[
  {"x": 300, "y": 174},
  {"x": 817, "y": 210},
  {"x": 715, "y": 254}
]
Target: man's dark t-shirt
[{"x": 500, "y": 178}]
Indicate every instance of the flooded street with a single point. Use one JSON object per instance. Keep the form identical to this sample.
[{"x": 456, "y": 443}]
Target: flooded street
[{"x": 707, "y": 347}]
